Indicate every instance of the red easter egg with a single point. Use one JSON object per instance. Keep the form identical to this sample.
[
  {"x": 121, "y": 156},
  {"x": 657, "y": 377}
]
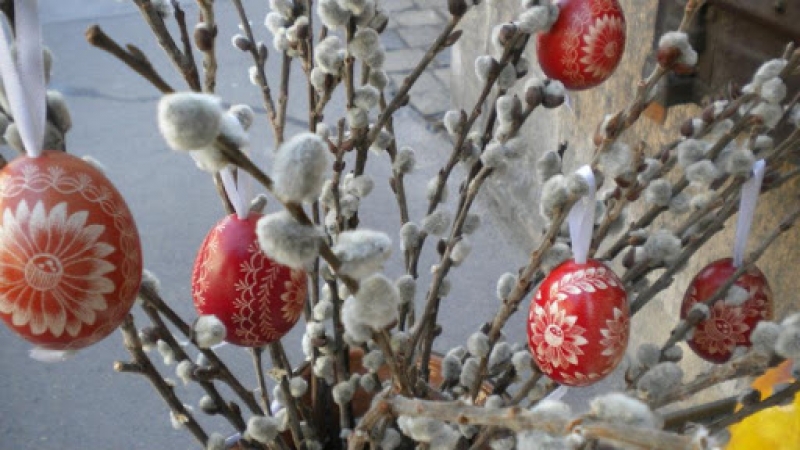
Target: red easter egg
[
  {"x": 585, "y": 44},
  {"x": 257, "y": 299},
  {"x": 727, "y": 327},
  {"x": 579, "y": 322},
  {"x": 70, "y": 256}
]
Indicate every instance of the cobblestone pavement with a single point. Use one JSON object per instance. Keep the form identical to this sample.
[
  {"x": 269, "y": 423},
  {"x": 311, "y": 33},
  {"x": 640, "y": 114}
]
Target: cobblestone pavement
[{"x": 413, "y": 26}]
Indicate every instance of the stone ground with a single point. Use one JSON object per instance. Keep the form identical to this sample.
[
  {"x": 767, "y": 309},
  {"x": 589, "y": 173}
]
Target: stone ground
[{"x": 413, "y": 27}]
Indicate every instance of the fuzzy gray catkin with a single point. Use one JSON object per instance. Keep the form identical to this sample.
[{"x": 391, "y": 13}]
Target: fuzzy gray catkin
[
  {"x": 286, "y": 241},
  {"x": 299, "y": 167}
]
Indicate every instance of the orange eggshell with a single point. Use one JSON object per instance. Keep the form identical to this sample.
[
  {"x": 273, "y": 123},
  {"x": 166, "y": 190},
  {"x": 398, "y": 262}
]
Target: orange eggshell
[{"x": 70, "y": 256}]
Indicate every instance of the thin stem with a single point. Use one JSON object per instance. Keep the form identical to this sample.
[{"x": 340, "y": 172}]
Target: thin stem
[
  {"x": 262, "y": 382},
  {"x": 182, "y": 62},
  {"x": 259, "y": 60},
  {"x": 167, "y": 392},
  {"x": 291, "y": 407},
  {"x": 133, "y": 57},
  {"x": 209, "y": 55}
]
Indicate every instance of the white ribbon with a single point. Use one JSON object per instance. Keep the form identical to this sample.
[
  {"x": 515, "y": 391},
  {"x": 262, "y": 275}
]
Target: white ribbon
[
  {"x": 557, "y": 394},
  {"x": 24, "y": 78},
  {"x": 232, "y": 190},
  {"x": 747, "y": 209},
  {"x": 581, "y": 218}
]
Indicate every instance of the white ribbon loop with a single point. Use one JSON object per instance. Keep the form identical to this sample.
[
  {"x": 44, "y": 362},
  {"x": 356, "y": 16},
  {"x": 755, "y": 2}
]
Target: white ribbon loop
[
  {"x": 24, "y": 79},
  {"x": 232, "y": 190},
  {"x": 747, "y": 209},
  {"x": 581, "y": 218}
]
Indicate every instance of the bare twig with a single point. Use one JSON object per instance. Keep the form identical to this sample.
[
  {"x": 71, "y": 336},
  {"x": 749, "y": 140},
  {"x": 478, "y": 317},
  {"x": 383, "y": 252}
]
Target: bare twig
[
  {"x": 134, "y": 346},
  {"x": 182, "y": 62},
  {"x": 133, "y": 57}
]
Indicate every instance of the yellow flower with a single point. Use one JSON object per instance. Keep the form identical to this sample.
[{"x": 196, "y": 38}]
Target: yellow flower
[{"x": 776, "y": 428}]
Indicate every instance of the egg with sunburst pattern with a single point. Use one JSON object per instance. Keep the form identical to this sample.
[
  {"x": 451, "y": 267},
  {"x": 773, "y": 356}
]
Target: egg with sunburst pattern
[
  {"x": 70, "y": 256},
  {"x": 586, "y": 43},
  {"x": 578, "y": 323}
]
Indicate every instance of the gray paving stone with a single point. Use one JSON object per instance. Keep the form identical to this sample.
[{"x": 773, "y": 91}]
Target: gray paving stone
[
  {"x": 443, "y": 75},
  {"x": 403, "y": 60},
  {"x": 428, "y": 96},
  {"x": 415, "y": 18},
  {"x": 443, "y": 58},
  {"x": 392, "y": 41},
  {"x": 421, "y": 36},
  {"x": 397, "y": 5}
]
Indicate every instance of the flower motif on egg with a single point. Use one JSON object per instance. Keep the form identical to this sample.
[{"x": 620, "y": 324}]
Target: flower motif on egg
[
  {"x": 53, "y": 275},
  {"x": 70, "y": 257}
]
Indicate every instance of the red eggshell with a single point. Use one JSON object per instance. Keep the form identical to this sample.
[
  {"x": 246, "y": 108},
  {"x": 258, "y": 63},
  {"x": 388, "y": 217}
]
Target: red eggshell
[
  {"x": 258, "y": 300},
  {"x": 727, "y": 327},
  {"x": 70, "y": 256},
  {"x": 579, "y": 322},
  {"x": 585, "y": 44}
]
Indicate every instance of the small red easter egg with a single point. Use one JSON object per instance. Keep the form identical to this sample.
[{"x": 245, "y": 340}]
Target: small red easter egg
[
  {"x": 585, "y": 44},
  {"x": 257, "y": 299},
  {"x": 727, "y": 326},
  {"x": 70, "y": 256},
  {"x": 579, "y": 322}
]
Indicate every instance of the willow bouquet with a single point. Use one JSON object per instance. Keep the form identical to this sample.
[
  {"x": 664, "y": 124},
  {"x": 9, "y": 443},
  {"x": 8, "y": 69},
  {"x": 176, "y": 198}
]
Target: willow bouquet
[{"x": 369, "y": 338}]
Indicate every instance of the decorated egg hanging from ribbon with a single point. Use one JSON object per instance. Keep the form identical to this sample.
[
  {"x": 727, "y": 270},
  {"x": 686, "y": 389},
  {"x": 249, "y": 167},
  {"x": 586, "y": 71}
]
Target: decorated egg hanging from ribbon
[
  {"x": 586, "y": 43},
  {"x": 728, "y": 325},
  {"x": 70, "y": 256},
  {"x": 257, "y": 299},
  {"x": 731, "y": 320},
  {"x": 579, "y": 320}
]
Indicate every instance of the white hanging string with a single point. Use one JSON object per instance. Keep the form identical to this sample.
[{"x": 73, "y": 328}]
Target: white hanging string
[
  {"x": 747, "y": 209},
  {"x": 232, "y": 190},
  {"x": 581, "y": 218},
  {"x": 24, "y": 78}
]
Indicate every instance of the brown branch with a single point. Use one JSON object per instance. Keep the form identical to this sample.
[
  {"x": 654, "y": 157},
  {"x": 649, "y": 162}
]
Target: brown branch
[
  {"x": 518, "y": 419},
  {"x": 259, "y": 60},
  {"x": 150, "y": 296},
  {"x": 167, "y": 392},
  {"x": 182, "y": 62},
  {"x": 399, "y": 99},
  {"x": 133, "y": 57},
  {"x": 209, "y": 54},
  {"x": 751, "y": 364}
]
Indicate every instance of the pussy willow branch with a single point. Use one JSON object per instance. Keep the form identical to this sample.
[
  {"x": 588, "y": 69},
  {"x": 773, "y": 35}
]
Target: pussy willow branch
[
  {"x": 182, "y": 62},
  {"x": 256, "y": 353},
  {"x": 291, "y": 407},
  {"x": 445, "y": 172},
  {"x": 209, "y": 55},
  {"x": 655, "y": 211},
  {"x": 518, "y": 419},
  {"x": 522, "y": 288},
  {"x": 775, "y": 399},
  {"x": 283, "y": 98},
  {"x": 133, "y": 57},
  {"x": 342, "y": 352},
  {"x": 750, "y": 364},
  {"x": 167, "y": 392},
  {"x": 151, "y": 296},
  {"x": 229, "y": 411},
  {"x": 400, "y": 97},
  {"x": 259, "y": 61},
  {"x": 428, "y": 318},
  {"x": 186, "y": 40}
]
